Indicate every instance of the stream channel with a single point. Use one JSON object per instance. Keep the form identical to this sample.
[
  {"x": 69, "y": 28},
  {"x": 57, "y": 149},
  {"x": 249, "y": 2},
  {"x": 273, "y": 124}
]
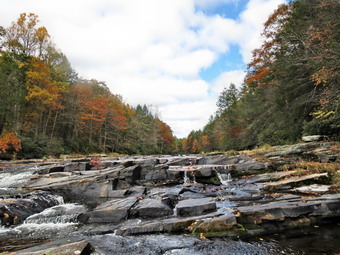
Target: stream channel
[{"x": 61, "y": 222}]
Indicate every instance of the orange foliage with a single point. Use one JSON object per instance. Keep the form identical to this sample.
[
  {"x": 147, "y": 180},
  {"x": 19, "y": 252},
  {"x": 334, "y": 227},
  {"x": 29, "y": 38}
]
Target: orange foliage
[
  {"x": 205, "y": 140},
  {"x": 9, "y": 141},
  {"x": 42, "y": 89},
  {"x": 165, "y": 132},
  {"x": 196, "y": 146},
  {"x": 264, "y": 57}
]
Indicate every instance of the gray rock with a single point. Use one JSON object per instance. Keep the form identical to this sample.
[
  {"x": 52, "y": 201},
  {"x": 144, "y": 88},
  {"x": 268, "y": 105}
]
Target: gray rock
[
  {"x": 60, "y": 247},
  {"x": 324, "y": 206},
  {"x": 192, "y": 207},
  {"x": 113, "y": 211},
  {"x": 151, "y": 208}
]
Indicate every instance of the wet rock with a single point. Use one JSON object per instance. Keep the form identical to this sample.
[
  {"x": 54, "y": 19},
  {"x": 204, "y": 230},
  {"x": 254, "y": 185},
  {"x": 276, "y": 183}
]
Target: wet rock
[
  {"x": 113, "y": 211},
  {"x": 191, "y": 207},
  {"x": 15, "y": 211},
  {"x": 170, "y": 225}
]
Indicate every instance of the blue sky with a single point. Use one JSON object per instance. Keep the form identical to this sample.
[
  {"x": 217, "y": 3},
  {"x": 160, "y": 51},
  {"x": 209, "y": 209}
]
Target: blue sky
[{"x": 175, "y": 55}]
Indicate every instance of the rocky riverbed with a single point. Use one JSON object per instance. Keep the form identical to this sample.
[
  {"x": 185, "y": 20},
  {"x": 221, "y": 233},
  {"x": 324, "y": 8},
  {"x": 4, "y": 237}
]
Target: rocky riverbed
[{"x": 197, "y": 204}]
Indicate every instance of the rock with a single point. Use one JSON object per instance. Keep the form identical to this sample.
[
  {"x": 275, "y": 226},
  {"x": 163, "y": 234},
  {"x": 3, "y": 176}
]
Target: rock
[
  {"x": 325, "y": 206},
  {"x": 60, "y": 247},
  {"x": 266, "y": 177},
  {"x": 113, "y": 211},
  {"x": 166, "y": 225},
  {"x": 251, "y": 165},
  {"x": 15, "y": 211},
  {"x": 313, "y": 189},
  {"x": 217, "y": 224},
  {"x": 191, "y": 207},
  {"x": 222, "y": 160},
  {"x": 151, "y": 208},
  {"x": 313, "y": 138},
  {"x": 293, "y": 181},
  {"x": 131, "y": 174}
]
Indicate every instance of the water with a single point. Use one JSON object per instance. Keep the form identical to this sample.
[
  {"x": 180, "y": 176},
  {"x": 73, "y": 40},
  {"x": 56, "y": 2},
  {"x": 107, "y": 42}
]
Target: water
[
  {"x": 12, "y": 180},
  {"x": 224, "y": 178},
  {"x": 56, "y": 221}
]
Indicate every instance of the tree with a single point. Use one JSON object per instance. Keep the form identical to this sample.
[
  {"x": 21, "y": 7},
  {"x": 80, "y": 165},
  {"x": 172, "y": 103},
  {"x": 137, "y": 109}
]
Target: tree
[
  {"x": 9, "y": 143},
  {"x": 196, "y": 146},
  {"x": 24, "y": 38},
  {"x": 227, "y": 98}
]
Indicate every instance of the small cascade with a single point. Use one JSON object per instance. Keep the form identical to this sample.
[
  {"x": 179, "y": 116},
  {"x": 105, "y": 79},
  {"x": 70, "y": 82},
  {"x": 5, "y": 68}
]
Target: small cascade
[
  {"x": 187, "y": 180},
  {"x": 56, "y": 221},
  {"x": 175, "y": 211},
  {"x": 59, "y": 214},
  {"x": 224, "y": 178},
  {"x": 12, "y": 180}
]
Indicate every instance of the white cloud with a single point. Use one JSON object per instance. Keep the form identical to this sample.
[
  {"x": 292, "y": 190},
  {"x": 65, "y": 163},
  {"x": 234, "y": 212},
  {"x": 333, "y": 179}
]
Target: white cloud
[
  {"x": 150, "y": 51},
  {"x": 252, "y": 20},
  {"x": 224, "y": 80}
]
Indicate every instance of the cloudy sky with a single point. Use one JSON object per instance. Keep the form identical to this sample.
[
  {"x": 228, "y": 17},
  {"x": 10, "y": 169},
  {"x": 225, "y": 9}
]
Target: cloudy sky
[{"x": 176, "y": 55}]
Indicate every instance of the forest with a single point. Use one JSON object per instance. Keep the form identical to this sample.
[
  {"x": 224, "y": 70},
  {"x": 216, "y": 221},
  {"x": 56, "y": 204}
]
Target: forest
[
  {"x": 291, "y": 89},
  {"x": 46, "y": 109}
]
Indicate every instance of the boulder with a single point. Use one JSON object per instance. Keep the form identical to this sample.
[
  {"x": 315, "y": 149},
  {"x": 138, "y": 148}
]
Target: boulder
[{"x": 192, "y": 207}]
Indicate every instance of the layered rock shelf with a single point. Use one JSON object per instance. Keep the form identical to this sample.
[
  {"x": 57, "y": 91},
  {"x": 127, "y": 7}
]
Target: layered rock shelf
[{"x": 266, "y": 192}]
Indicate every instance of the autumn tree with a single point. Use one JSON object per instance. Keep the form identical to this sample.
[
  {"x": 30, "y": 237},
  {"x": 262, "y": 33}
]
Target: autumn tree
[{"x": 23, "y": 37}]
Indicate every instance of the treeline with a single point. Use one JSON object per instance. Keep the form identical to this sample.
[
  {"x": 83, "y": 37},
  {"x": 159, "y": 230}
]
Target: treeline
[
  {"x": 46, "y": 109},
  {"x": 291, "y": 87}
]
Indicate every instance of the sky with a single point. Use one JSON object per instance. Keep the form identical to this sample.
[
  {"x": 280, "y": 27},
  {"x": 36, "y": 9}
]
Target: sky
[{"x": 174, "y": 55}]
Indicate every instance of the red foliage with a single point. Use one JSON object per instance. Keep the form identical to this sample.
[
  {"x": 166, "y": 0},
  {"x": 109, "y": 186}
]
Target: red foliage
[{"x": 10, "y": 142}]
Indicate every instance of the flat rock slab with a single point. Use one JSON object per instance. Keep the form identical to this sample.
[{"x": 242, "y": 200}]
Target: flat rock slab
[
  {"x": 152, "y": 208},
  {"x": 324, "y": 206},
  {"x": 60, "y": 247},
  {"x": 313, "y": 189},
  {"x": 113, "y": 211},
  {"x": 192, "y": 207},
  {"x": 217, "y": 224},
  {"x": 294, "y": 180},
  {"x": 267, "y": 177},
  {"x": 165, "y": 225}
]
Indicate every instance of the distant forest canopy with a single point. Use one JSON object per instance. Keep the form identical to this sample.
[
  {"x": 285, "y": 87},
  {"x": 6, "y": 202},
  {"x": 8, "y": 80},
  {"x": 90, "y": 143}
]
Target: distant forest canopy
[
  {"x": 46, "y": 109},
  {"x": 291, "y": 87}
]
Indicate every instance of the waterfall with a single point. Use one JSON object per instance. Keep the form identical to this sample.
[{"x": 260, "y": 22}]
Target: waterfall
[
  {"x": 59, "y": 214},
  {"x": 224, "y": 178},
  {"x": 186, "y": 179}
]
